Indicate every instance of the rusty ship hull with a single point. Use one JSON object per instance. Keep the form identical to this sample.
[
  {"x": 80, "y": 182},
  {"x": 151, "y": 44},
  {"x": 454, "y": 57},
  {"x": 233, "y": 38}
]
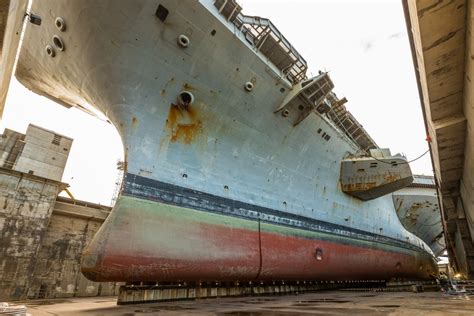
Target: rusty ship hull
[{"x": 232, "y": 164}]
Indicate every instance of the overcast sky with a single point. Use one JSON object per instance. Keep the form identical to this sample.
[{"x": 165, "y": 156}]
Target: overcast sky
[{"x": 363, "y": 45}]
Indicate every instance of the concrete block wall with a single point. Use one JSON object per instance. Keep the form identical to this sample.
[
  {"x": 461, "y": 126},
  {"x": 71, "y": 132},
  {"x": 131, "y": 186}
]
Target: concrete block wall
[
  {"x": 26, "y": 205},
  {"x": 44, "y": 153},
  {"x": 57, "y": 272},
  {"x": 11, "y": 145},
  {"x": 42, "y": 236}
]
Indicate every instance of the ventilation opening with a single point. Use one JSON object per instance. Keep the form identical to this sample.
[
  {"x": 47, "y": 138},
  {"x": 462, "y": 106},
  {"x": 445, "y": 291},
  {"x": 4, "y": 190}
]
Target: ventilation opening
[
  {"x": 183, "y": 41},
  {"x": 56, "y": 139},
  {"x": 161, "y": 13},
  {"x": 43, "y": 290},
  {"x": 319, "y": 254},
  {"x": 248, "y": 86}
]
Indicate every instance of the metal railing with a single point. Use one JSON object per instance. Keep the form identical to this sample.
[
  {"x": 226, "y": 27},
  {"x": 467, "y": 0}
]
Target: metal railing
[
  {"x": 266, "y": 38},
  {"x": 349, "y": 124}
]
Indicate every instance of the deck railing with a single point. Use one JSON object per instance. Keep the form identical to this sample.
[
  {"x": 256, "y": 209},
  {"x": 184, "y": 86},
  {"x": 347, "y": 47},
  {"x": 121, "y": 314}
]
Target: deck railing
[{"x": 266, "y": 38}]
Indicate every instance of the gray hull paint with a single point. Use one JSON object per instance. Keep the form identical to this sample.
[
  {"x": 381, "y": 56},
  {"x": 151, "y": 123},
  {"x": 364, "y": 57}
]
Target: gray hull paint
[{"x": 418, "y": 210}]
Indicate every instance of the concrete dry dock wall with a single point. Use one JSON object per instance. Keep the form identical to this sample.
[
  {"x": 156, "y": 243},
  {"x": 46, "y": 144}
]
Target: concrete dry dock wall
[
  {"x": 26, "y": 204},
  {"x": 42, "y": 239},
  {"x": 57, "y": 273}
]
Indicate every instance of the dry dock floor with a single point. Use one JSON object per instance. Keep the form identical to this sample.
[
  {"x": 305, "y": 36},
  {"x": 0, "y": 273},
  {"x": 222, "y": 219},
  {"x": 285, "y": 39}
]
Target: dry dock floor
[{"x": 318, "y": 303}]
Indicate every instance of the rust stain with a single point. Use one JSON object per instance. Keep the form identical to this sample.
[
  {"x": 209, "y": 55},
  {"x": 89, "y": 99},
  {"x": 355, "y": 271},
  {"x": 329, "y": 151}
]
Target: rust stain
[
  {"x": 391, "y": 178},
  {"x": 354, "y": 187},
  {"x": 125, "y": 161},
  {"x": 183, "y": 124},
  {"x": 134, "y": 122},
  {"x": 187, "y": 86}
]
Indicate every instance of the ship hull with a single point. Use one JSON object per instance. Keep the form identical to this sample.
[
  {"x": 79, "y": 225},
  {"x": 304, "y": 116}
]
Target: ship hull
[
  {"x": 418, "y": 210},
  {"x": 158, "y": 236},
  {"x": 222, "y": 189}
]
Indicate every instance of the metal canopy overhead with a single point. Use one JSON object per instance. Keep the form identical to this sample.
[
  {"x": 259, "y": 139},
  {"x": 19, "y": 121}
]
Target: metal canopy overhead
[{"x": 440, "y": 37}]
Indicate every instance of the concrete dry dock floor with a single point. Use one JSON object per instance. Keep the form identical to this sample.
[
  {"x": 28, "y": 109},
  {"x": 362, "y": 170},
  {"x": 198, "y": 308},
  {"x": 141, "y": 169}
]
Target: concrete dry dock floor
[{"x": 318, "y": 303}]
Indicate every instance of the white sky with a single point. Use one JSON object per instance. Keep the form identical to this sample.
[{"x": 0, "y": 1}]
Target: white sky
[{"x": 363, "y": 45}]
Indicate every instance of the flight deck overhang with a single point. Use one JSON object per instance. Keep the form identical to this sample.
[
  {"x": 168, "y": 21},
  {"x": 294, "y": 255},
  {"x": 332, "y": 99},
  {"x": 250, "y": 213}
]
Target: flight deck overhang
[
  {"x": 12, "y": 15},
  {"x": 441, "y": 42}
]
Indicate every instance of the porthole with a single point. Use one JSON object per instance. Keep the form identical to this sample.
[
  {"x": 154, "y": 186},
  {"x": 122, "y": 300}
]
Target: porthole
[
  {"x": 58, "y": 42},
  {"x": 50, "y": 51},
  {"x": 60, "y": 24}
]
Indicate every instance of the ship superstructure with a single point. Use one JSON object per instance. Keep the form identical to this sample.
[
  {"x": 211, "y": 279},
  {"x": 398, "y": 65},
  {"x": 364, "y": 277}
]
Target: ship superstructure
[{"x": 234, "y": 157}]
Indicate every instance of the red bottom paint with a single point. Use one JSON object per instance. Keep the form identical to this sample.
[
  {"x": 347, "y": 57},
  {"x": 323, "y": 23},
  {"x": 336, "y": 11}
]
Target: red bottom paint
[{"x": 198, "y": 251}]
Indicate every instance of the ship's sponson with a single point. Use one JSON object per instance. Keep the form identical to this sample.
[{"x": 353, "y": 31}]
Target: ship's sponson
[
  {"x": 418, "y": 210},
  {"x": 371, "y": 176},
  {"x": 219, "y": 185}
]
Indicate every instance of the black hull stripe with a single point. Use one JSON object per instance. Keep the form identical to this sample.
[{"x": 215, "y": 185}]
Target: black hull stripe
[{"x": 154, "y": 190}]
